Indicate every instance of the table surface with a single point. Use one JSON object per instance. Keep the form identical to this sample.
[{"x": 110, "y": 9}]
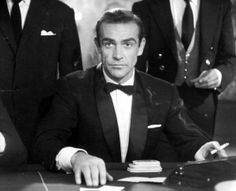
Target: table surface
[{"x": 36, "y": 178}]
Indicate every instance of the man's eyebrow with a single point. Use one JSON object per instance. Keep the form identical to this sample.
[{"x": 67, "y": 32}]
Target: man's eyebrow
[
  {"x": 125, "y": 40},
  {"x": 108, "y": 39},
  {"x": 129, "y": 40}
]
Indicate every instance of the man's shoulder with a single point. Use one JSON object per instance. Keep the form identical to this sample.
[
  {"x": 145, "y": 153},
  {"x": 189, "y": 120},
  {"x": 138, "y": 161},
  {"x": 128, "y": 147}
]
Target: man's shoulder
[
  {"x": 153, "y": 82},
  {"x": 143, "y": 5},
  {"x": 58, "y": 5},
  {"x": 81, "y": 76},
  {"x": 77, "y": 80}
]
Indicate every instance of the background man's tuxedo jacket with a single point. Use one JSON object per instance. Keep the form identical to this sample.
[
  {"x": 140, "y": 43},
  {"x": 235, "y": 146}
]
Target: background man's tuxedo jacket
[
  {"x": 15, "y": 152},
  {"x": 28, "y": 73},
  {"x": 83, "y": 116},
  {"x": 216, "y": 49}
]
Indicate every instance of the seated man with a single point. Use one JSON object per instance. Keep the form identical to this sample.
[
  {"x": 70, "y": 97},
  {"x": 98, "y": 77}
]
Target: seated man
[
  {"x": 114, "y": 113},
  {"x": 12, "y": 150}
]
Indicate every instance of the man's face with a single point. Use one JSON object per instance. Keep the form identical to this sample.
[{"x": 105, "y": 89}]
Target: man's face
[{"x": 119, "y": 47}]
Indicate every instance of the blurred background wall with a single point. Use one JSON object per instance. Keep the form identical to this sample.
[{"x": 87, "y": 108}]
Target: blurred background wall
[{"x": 87, "y": 13}]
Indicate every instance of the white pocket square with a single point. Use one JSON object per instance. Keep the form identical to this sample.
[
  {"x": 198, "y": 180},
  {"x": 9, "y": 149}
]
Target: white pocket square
[
  {"x": 47, "y": 33},
  {"x": 154, "y": 126}
]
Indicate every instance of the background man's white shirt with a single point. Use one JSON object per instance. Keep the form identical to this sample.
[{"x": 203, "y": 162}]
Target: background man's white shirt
[{"x": 24, "y": 7}]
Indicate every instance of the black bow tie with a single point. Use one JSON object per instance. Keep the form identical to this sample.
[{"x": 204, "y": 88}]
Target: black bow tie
[{"x": 109, "y": 87}]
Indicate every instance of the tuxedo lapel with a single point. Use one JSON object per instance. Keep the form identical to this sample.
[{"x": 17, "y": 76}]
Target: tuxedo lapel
[
  {"x": 5, "y": 26},
  {"x": 139, "y": 122},
  {"x": 161, "y": 12},
  {"x": 35, "y": 17},
  {"x": 209, "y": 10},
  {"x": 107, "y": 116}
]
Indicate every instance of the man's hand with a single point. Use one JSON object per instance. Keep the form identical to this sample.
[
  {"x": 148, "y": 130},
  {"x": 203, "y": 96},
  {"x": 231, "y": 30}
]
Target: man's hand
[
  {"x": 92, "y": 168},
  {"x": 205, "y": 151},
  {"x": 209, "y": 79}
]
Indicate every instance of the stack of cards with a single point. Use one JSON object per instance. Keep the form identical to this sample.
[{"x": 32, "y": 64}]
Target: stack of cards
[{"x": 144, "y": 166}]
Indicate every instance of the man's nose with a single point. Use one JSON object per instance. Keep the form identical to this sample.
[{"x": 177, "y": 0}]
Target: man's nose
[{"x": 117, "y": 54}]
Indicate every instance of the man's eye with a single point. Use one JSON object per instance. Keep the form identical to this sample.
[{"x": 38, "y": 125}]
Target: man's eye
[
  {"x": 128, "y": 44},
  {"x": 107, "y": 44}
]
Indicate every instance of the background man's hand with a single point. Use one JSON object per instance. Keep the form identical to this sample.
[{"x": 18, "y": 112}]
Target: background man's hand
[
  {"x": 205, "y": 151},
  {"x": 92, "y": 168},
  {"x": 209, "y": 79}
]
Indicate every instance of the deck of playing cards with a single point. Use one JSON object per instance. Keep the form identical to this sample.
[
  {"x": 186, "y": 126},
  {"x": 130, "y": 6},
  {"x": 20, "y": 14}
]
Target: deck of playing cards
[{"x": 144, "y": 166}]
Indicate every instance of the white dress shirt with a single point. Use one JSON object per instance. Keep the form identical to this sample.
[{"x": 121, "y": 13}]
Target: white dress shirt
[
  {"x": 24, "y": 7},
  {"x": 122, "y": 104},
  {"x": 2, "y": 143}
]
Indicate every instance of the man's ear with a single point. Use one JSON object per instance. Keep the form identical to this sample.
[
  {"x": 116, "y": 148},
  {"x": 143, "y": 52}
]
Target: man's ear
[{"x": 141, "y": 46}]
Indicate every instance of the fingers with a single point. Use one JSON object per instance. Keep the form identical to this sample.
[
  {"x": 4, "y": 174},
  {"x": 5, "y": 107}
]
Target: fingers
[
  {"x": 78, "y": 176},
  {"x": 207, "y": 79},
  {"x": 222, "y": 153},
  {"x": 94, "y": 175},
  {"x": 87, "y": 176},
  {"x": 204, "y": 152},
  {"x": 109, "y": 177},
  {"x": 214, "y": 145},
  {"x": 92, "y": 168},
  {"x": 102, "y": 170}
]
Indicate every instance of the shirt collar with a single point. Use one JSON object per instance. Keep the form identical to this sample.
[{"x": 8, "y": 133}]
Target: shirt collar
[
  {"x": 195, "y": 2},
  {"x": 25, "y": 1},
  {"x": 129, "y": 82}
]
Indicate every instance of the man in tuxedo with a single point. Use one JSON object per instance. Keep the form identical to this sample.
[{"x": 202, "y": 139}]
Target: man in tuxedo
[
  {"x": 114, "y": 113},
  {"x": 12, "y": 150},
  {"x": 190, "y": 43},
  {"x": 38, "y": 43}
]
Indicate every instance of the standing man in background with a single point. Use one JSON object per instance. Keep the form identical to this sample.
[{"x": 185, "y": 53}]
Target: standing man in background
[
  {"x": 190, "y": 43},
  {"x": 38, "y": 40}
]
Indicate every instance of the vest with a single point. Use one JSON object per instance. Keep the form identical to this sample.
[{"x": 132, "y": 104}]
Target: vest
[{"x": 188, "y": 61}]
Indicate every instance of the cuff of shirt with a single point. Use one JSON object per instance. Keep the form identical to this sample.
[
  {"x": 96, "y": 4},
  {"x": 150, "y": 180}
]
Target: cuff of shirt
[
  {"x": 218, "y": 73},
  {"x": 63, "y": 158},
  {"x": 2, "y": 143}
]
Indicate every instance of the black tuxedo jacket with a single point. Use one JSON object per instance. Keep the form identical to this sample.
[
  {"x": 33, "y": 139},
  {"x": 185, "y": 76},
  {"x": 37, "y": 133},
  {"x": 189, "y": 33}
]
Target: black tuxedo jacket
[
  {"x": 217, "y": 49},
  {"x": 83, "y": 116},
  {"x": 15, "y": 152},
  {"x": 28, "y": 73}
]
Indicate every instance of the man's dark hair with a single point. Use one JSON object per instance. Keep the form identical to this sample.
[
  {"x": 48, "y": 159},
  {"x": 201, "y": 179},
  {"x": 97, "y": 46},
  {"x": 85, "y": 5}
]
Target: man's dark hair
[{"x": 117, "y": 16}]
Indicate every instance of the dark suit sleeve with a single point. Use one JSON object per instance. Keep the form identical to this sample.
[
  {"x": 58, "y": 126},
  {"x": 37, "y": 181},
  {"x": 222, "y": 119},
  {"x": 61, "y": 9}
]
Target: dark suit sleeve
[
  {"x": 226, "y": 58},
  {"x": 140, "y": 9},
  {"x": 15, "y": 152},
  {"x": 186, "y": 136},
  {"x": 55, "y": 129},
  {"x": 70, "y": 58}
]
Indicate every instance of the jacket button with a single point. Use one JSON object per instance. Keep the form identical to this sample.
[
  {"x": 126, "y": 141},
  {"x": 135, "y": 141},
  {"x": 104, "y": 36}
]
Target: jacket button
[
  {"x": 162, "y": 67},
  {"x": 208, "y": 62},
  {"x": 187, "y": 55}
]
